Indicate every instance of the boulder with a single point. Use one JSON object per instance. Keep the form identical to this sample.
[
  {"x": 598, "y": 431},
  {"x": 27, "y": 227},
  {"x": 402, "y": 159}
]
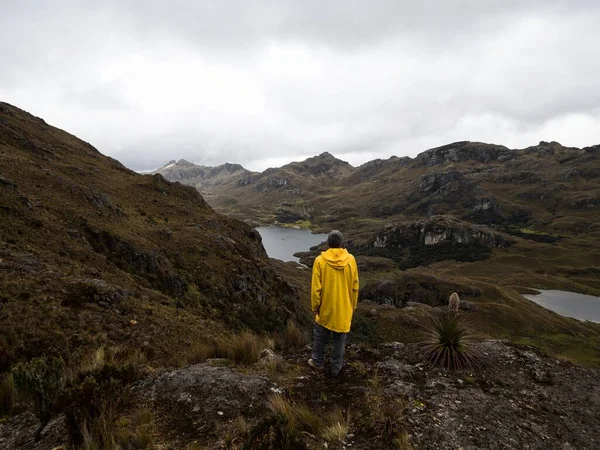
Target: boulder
[{"x": 201, "y": 396}]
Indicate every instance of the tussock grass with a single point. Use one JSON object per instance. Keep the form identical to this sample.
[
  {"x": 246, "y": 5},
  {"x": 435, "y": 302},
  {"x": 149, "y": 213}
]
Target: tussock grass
[
  {"x": 309, "y": 421},
  {"x": 244, "y": 348},
  {"x": 293, "y": 337},
  {"x": 298, "y": 417},
  {"x": 389, "y": 423},
  {"x": 137, "y": 440},
  {"x": 446, "y": 343},
  {"x": 283, "y": 410},
  {"x": 200, "y": 353},
  {"x": 103, "y": 357},
  {"x": 402, "y": 442},
  {"x": 335, "y": 432},
  {"x": 338, "y": 428}
]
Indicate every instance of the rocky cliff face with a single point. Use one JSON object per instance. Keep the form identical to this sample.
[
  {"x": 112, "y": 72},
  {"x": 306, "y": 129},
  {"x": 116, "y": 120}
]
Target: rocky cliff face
[{"x": 434, "y": 239}]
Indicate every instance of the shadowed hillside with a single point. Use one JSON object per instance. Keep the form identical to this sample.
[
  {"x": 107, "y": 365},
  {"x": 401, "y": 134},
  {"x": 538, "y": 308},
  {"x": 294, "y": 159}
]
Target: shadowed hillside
[{"x": 87, "y": 246}]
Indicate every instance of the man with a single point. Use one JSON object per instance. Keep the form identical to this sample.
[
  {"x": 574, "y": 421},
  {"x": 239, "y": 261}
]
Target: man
[{"x": 334, "y": 295}]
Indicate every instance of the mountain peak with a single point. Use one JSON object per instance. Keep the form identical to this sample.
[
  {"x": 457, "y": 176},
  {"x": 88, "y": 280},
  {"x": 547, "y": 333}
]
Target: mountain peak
[{"x": 464, "y": 151}]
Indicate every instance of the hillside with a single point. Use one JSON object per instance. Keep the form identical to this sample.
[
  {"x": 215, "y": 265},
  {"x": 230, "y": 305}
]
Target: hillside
[
  {"x": 175, "y": 331},
  {"x": 90, "y": 245}
]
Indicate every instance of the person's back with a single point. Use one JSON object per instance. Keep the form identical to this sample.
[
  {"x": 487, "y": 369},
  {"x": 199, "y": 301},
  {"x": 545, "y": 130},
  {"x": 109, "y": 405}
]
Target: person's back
[{"x": 334, "y": 295}]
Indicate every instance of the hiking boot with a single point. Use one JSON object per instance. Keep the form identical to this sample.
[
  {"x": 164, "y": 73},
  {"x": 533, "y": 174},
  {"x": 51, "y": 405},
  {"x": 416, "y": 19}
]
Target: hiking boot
[
  {"x": 314, "y": 365},
  {"x": 338, "y": 376}
]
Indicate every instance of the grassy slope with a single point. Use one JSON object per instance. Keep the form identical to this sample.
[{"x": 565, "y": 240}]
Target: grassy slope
[{"x": 69, "y": 214}]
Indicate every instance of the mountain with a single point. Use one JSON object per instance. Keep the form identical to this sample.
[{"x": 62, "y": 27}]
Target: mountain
[
  {"x": 87, "y": 245},
  {"x": 202, "y": 177},
  {"x": 549, "y": 187},
  {"x": 289, "y": 187},
  {"x": 176, "y": 331}
]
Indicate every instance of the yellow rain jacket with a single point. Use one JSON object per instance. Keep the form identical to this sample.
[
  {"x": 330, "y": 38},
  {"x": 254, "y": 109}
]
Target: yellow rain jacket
[{"x": 334, "y": 290}]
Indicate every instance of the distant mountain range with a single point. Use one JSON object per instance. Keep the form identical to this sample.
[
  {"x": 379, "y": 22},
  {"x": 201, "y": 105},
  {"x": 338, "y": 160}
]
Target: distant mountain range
[{"x": 547, "y": 186}]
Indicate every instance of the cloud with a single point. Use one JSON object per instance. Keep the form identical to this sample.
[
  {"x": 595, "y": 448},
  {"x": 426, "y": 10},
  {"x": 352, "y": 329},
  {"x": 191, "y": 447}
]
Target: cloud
[{"x": 261, "y": 83}]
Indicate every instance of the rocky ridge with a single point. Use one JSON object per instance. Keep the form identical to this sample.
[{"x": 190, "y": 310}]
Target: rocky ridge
[{"x": 516, "y": 399}]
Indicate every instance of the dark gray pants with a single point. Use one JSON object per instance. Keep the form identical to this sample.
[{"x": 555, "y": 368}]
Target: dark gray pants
[{"x": 339, "y": 342}]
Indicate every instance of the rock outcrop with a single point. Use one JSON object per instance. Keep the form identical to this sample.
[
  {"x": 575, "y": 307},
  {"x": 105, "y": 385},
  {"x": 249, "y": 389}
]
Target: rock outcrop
[
  {"x": 434, "y": 239},
  {"x": 462, "y": 152}
]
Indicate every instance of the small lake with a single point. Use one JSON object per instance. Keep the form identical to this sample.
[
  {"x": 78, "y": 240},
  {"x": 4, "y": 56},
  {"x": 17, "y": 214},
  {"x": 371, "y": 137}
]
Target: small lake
[
  {"x": 281, "y": 243},
  {"x": 569, "y": 304}
]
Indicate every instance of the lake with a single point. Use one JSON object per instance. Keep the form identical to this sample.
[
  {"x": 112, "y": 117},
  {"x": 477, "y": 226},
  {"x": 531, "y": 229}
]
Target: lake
[
  {"x": 569, "y": 304},
  {"x": 282, "y": 243}
]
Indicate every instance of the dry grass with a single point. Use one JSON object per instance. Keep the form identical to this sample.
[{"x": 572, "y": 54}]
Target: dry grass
[
  {"x": 293, "y": 337},
  {"x": 309, "y": 421},
  {"x": 244, "y": 348},
  {"x": 402, "y": 442},
  {"x": 335, "y": 433},
  {"x": 338, "y": 429},
  {"x": 200, "y": 353},
  {"x": 298, "y": 417},
  {"x": 283, "y": 409}
]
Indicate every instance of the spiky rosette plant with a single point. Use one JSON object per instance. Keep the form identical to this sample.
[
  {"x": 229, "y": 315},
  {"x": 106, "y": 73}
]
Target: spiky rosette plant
[{"x": 446, "y": 343}]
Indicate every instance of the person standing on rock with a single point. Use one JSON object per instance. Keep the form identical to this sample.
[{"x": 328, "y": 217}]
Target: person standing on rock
[{"x": 334, "y": 295}]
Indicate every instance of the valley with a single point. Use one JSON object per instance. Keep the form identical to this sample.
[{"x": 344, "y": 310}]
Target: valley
[
  {"x": 490, "y": 221},
  {"x": 150, "y": 313}
]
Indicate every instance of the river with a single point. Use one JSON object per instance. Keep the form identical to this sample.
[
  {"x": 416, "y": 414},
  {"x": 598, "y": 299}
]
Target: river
[
  {"x": 569, "y": 304},
  {"x": 281, "y": 243}
]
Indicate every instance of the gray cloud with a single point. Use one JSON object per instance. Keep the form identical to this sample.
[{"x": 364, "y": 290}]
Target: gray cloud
[{"x": 262, "y": 83}]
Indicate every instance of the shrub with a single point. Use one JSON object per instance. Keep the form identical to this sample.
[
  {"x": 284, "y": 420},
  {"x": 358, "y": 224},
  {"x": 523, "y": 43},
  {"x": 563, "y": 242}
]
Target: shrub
[
  {"x": 92, "y": 410},
  {"x": 96, "y": 393},
  {"x": 446, "y": 343},
  {"x": 293, "y": 337},
  {"x": 40, "y": 380},
  {"x": 7, "y": 394},
  {"x": 192, "y": 297}
]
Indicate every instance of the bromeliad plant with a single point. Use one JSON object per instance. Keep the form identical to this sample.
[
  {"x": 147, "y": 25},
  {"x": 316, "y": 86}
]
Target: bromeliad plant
[{"x": 446, "y": 343}]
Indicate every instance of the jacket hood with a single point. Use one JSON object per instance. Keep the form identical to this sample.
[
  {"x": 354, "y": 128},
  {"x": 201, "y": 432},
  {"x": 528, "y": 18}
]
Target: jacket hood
[{"x": 338, "y": 258}]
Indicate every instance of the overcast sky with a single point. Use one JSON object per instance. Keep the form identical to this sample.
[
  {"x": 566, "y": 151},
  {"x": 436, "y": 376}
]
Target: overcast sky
[{"x": 263, "y": 83}]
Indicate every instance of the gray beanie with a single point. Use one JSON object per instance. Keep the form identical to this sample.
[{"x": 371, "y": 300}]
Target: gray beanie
[{"x": 335, "y": 236}]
